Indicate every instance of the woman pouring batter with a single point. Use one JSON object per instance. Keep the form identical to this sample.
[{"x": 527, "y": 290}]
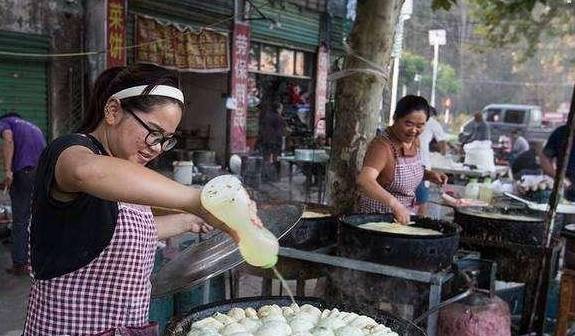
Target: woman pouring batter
[
  {"x": 392, "y": 167},
  {"x": 92, "y": 234}
]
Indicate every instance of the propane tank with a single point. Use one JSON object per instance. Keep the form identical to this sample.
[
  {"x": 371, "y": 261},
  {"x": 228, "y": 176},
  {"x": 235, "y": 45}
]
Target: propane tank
[{"x": 477, "y": 315}]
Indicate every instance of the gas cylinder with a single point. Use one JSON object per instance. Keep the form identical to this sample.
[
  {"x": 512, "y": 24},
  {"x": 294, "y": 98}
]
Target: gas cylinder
[{"x": 478, "y": 314}]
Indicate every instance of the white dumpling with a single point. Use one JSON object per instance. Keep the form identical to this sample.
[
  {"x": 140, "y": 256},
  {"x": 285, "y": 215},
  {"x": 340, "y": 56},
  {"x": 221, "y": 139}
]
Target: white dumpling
[
  {"x": 233, "y": 328},
  {"x": 311, "y": 310},
  {"x": 379, "y": 328},
  {"x": 223, "y": 318},
  {"x": 363, "y": 322},
  {"x": 251, "y": 324},
  {"x": 273, "y": 317},
  {"x": 295, "y": 307},
  {"x": 301, "y": 333},
  {"x": 350, "y": 317},
  {"x": 325, "y": 313},
  {"x": 195, "y": 331},
  {"x": 332, "y": 323},
  {"x": 321, "y": 331},
  {"x": 208, "y": 322},
  {"x": 288, "y": 311},
  {"x": 301, "y": 315},
  {"x": 348, "y": 331},
  {"x": 269, "y": 310},
  {"x": 335, "y": 313},
  {"x": 299, "y": 325},
  {"x": 274, "y": 328},
  {"x": 241, "y": 334},
  {"x": 237, "y": 313},
  {"x": 251, "y": 313},
  {"x": 382, "y": 330}
]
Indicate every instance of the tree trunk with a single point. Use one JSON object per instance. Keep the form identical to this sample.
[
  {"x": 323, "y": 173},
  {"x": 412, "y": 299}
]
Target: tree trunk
[{"x": 359, "y": 96}]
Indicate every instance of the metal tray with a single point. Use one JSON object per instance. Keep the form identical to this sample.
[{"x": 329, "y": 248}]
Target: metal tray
[{"x": 220, "y": 253}]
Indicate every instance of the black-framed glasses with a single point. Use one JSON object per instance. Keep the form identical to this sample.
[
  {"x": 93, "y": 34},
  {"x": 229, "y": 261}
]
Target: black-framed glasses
[{"x": 154, "y": 137}]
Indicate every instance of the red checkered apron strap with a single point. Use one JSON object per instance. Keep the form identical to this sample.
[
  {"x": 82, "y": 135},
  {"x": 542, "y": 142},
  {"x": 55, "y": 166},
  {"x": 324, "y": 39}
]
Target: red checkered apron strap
[{"x": 112, "y": 291}]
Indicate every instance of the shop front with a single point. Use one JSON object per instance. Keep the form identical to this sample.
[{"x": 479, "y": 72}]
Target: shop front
[{"x": 196, "y": 44}]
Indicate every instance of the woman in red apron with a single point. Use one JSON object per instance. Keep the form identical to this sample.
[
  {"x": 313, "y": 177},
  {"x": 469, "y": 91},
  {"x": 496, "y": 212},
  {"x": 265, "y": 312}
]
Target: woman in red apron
[
  {"x": 92, "y": 234},
  {"x": 392, "y": 167}
]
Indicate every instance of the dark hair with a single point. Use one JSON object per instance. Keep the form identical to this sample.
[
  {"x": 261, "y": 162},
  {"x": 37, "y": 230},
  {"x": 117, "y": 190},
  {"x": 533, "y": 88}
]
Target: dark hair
[
  {"x": 432, "y": 111},
  {"x": 10, "y": 114},
  {"x": 119, "y": 78},
  {"x": 410, "y": 104}
]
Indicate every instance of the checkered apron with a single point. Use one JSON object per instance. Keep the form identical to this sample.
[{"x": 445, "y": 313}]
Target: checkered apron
[
  {"x": 408, "y": 173},
  {"x": 111, "y": 292}
]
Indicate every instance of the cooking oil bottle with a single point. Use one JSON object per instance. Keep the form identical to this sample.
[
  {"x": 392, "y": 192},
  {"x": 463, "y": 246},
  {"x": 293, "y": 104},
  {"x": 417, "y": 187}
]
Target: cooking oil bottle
[{"x": 226, "y": 199}]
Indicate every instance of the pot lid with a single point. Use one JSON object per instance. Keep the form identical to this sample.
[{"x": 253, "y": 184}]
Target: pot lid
[{"x": 219, "y": 253}]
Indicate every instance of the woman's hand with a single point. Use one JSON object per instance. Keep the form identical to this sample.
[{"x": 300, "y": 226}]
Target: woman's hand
[
  {"x": 401, "y": 213},
  {"x": 198, "y": 225},
  {"x": 435, "y": 177}
]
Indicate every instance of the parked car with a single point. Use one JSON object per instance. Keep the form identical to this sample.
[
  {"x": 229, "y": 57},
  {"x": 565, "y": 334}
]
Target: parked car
[{"x": 504, "y": 118}]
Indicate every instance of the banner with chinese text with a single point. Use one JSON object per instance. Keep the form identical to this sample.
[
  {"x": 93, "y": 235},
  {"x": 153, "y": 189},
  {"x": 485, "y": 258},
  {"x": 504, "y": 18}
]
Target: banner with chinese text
[
  {"x": 321, "y": 90},
  {"x": 240, "y": 61},
  {"x": 181, "y": 48},
  {"x": 115, "y": 33}
]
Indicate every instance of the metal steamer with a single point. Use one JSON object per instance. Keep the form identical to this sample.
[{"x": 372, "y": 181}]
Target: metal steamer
[{"x": 513, "y": 237}]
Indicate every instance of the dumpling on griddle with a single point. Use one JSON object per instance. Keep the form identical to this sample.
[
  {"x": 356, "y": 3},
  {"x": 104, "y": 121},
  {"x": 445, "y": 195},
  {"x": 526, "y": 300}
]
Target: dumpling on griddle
[
  {"x": 348, "y": 331},
  {"x": 301, "y": 325},
  {"x": 233, "y": 328},
  {"x": 223, "y": 318},
  {"x": 208, "y": 322},
  {"x": 321, "y": 331},
  {"x": 274, "y": 328},
  {"x": 198, "y": 331},
  {"x": 237, "y": 313},
  {"x": 252, "y": 325}
]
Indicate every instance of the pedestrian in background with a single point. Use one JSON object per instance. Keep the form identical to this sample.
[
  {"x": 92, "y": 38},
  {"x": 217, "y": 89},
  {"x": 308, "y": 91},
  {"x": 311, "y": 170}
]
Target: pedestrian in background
[{"x": 23, "y": 144}]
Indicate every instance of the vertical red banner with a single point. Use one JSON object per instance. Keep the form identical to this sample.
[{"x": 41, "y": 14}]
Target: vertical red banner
[
  {"x": 115, "y": 33},
  {"x": 321, "y": 90},
  {"x": 239, "y": 80}
]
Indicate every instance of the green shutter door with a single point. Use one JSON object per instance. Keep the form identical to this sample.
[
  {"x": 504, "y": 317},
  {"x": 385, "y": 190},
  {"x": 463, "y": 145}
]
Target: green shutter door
[
  {"x": 298, "y": 28},
  {"x": 23, "y": 81}
]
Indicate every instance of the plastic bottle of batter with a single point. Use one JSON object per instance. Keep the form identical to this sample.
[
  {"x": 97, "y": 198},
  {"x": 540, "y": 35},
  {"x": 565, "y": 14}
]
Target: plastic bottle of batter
[{"x": 226, "y": 199}]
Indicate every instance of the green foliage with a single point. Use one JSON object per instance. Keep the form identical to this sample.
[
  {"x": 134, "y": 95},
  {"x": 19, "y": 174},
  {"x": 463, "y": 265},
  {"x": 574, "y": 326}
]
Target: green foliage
[
  {"x": 412, "y": 64},
  {"x": 519, "y": 22}
]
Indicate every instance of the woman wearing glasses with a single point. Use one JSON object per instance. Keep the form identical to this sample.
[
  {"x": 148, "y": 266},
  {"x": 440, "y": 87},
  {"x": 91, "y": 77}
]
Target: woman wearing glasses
[{"x": 92, "y": 234}]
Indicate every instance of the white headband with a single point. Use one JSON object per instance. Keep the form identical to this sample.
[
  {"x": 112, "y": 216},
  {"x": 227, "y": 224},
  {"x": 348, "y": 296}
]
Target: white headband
[{"x": 158, "y": 90}]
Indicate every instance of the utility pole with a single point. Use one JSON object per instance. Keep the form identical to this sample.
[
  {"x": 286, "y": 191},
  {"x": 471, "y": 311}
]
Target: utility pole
[
  {"x": 406, "y": 11},
  {"x": 436, "y": 38}
]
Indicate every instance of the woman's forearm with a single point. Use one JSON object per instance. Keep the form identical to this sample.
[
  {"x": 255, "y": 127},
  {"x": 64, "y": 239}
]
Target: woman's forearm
[
  {"x": 120, "y": 180},
  {"x": 372, "y": 189}
]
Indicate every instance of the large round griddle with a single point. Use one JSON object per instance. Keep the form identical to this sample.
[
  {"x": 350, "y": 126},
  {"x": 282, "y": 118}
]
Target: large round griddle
[
  {"x": 220, "y": 253},
  {"x": 181, "y": 327}
]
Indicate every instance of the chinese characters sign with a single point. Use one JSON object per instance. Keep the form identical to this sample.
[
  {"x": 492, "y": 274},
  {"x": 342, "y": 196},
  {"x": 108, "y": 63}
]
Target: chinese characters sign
[
  {"x": 116, "y": 33},
  {"x": 321, "y": 90},
  {"x": 240, "y": 61},
  {"x": 181, "y": 48}
]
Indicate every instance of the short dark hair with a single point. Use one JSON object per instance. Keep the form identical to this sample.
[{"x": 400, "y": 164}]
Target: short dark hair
[
  {"x": 119, "y": 78},
  {"x": 10, "y": 114},
  {"x": 410, "y": 104}
]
